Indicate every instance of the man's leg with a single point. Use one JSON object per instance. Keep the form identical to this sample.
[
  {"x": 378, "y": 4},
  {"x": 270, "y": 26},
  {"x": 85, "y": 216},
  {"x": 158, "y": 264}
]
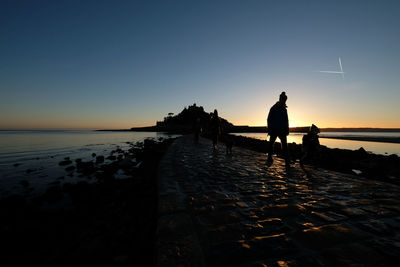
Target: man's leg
[
  {"x": 272, "y": 139},
  {"x": 285, "y": 148}
]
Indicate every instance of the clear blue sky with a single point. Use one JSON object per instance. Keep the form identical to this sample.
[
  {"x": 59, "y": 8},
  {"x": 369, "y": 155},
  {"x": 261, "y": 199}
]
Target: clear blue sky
[{"x": 118, "y": 64}]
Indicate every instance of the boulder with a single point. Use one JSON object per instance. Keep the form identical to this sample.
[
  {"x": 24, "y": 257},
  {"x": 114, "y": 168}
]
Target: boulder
[
  {"x": 99, "y": 159},
  {"x": 65, "y": 162}
]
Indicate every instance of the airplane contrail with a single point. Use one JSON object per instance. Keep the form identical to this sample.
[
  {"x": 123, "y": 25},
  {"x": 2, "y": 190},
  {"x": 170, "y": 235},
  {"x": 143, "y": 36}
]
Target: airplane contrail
[
  {"x": 340, "y": 63},
  {"x": 335, "y": 72},
  {"x": 330, "y": 71}
]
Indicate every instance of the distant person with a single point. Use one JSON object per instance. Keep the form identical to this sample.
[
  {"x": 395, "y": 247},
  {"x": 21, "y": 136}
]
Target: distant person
[
  {"x": 278, "y": 126},
  {"x": 215, "y": 128},
  {"x": 228, "y": 140},
  {"x": 197, "y": 130},
  {"x": 310, "y": 146}
]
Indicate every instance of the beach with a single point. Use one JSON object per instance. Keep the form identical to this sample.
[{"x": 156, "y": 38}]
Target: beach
[
  {"x": 162, "y": 200},
  {"x": 233, "y": 210}
]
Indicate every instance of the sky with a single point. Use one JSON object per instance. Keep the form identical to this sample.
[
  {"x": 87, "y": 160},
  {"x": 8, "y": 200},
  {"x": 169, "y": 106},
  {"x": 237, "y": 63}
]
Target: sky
[{"x": 121, "y": 64}]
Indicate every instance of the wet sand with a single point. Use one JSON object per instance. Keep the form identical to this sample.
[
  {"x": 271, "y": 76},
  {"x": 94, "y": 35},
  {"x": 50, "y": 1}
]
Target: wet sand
[
  {"x": 232, "y": 210},
  {"x": 204, "y": 208}
]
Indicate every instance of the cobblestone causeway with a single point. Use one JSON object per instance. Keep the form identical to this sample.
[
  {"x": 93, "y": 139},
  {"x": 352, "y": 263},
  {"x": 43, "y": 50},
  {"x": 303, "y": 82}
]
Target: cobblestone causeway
[{"x": 222, "y": 210}]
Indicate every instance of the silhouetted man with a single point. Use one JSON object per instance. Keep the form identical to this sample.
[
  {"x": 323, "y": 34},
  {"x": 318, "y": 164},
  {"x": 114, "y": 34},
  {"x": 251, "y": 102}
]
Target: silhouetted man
[
  {"x": 278, "y": 126},
  {"x": 215, "y": 127},
  {"x": 197, "y": 130}
]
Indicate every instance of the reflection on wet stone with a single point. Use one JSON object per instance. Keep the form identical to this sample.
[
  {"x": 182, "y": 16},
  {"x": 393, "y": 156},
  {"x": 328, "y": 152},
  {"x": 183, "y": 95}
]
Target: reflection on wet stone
[{"x": 220, "y": 210}]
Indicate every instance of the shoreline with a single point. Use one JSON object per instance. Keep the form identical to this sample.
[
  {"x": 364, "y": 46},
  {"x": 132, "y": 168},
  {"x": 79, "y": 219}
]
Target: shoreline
[
  {"x": 394, "y": 140},
  {"x": 360, "y": 162},
  {"x": 102, "y": 219},
  {"x": 378, "y": 139}
]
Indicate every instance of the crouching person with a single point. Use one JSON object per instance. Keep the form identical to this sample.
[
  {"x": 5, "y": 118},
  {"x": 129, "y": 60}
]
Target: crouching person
[{"x": 310, "y": 146}]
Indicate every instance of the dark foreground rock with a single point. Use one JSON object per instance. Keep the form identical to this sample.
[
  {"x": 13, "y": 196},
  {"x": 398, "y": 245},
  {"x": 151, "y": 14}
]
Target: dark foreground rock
[
  {"x": 65, "y": 162},
  {"x": 372, "y": 166},
  {"x": 111, "y": 222}
]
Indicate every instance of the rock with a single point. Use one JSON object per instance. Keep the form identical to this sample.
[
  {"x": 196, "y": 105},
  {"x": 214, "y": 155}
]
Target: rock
[
  {"x": 24, "y": 183},
  {"x": 93, "y": 155},
  {"x": 85, "y": 167},
  {"x": 64, "y": 162},
  {"x": 16, "y": 164},
  {"x": 30, "y": 170},
  {"x": 125, "y": 163},
  {"x": 111, "y": 157},
  {"x": 53, "y": 193},
  {"x": 121, "y": 259},
  {"x": 55, "y": 183},
  {"x": 107, "y": 171},
  {"x": 66, "y": 158},
  {"x": 99, "y": 159},
  {"x": 361, "y": 151},
  {"x": 70, "y": 168},
  {"x": 78, "y": 160}
]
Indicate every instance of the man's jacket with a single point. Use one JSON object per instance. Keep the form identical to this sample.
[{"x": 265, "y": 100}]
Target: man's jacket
[{"x": 278, "y": 121}]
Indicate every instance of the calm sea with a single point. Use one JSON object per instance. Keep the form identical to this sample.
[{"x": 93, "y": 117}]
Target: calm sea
[
  {"x": 33, "y": 156},
  {"x": 374, "y": 147}
]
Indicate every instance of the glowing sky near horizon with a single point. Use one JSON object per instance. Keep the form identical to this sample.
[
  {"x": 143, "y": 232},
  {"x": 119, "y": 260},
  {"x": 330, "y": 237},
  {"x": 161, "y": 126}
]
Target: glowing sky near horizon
[{"x": 119, "y": 64}]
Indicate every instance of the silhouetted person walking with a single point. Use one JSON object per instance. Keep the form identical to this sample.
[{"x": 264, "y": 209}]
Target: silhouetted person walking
[
  {"x": 215, "y": 127},
  {"x": 278, "y": 126}
]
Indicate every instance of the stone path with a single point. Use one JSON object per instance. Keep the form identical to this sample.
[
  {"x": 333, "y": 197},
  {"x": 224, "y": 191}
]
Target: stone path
[{"x": 219, "y": 210}]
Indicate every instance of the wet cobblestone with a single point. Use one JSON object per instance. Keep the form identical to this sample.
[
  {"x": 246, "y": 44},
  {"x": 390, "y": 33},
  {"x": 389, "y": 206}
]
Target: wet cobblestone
[{"x": 231, "y": 210}]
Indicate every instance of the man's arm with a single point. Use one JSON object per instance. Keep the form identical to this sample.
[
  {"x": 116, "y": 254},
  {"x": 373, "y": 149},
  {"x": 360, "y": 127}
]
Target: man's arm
[
  {"x": 287, "y": 122},
  {"x": 269, "y": 119}
]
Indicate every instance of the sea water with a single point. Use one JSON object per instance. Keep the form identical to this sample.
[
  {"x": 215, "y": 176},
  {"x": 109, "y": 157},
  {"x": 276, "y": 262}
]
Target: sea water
[{"x": 29, "y": 159}]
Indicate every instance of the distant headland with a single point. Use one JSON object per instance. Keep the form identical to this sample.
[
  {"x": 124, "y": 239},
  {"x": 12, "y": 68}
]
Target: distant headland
[{"x": 186, "y": 119}]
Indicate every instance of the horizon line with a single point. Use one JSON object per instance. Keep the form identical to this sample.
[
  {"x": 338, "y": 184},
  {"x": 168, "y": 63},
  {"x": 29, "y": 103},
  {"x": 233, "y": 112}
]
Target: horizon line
[{"x": 126, "y": 129}]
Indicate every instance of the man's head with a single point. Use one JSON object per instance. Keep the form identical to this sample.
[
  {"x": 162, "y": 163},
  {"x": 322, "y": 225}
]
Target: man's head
[
  {"x": 283, "y": 98},
  {"x": 215, "y": 113}
]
